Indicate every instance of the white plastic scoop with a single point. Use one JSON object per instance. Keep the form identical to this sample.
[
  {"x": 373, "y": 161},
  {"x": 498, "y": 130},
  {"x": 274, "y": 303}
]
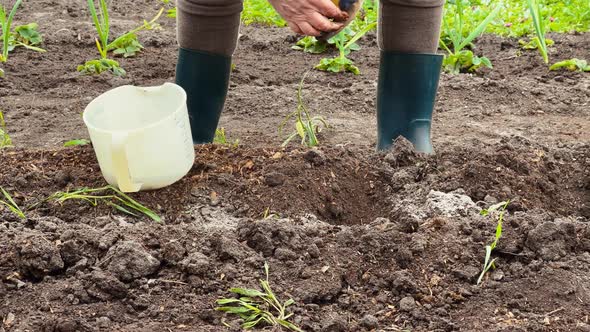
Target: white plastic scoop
[{"x": 141, "y": 136}]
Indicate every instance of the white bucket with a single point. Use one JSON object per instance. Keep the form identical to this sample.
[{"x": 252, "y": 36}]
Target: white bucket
[{"x": 141, "y": 136}]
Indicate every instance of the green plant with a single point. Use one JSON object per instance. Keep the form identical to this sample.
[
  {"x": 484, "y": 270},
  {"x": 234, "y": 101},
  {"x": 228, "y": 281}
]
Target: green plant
[
  {"x": 341, "y": 62},
  {"x": 11, "y": 204},
  {"x": 540, "y": 28},
  {"x": 102, "y": 26},
  {"x": 221, "y": 138},
  {"x": 76, "y": 142},
  {"x": 6, "y": 25},
  {"x": 460, "y": 59},
  {"x": 306, "y": 126},
  {"x": 256, "y": 307},
  {"x": 126, "y": 44},
  {"x": 108, "y": 194},
  {"x": 571, "y": 65},
  {"x": 26, "y": 36},
  {"x": 5, "y": 140},
  {"x": 488, "y": 262}
]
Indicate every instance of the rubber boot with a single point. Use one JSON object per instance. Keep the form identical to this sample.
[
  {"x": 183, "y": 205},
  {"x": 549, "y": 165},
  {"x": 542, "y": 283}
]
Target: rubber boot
[
  {"x": 205, "y": 78},
  {"x": 405, "y": 98}
]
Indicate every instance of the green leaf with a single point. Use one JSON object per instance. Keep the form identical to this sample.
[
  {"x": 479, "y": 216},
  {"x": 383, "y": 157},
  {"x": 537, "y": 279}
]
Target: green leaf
[{"x": 76, "y": 142}]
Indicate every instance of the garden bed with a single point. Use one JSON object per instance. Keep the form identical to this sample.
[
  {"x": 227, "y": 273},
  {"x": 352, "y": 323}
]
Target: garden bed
[{"x": 360, "y": 240}]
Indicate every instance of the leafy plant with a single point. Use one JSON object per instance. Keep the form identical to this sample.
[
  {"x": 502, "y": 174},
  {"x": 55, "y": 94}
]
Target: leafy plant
[
  {"x": 306, "y": 126},
  {"x": 76, "y": 142},
  {"x": 341, "y": 62},
  {"x": 5, "y": 140},
  {"x": 540, "y": 28},
  {"x": 256, "y": 307},
  {"x": 221, "y": 138},
  {"x": 126, "y": 44},
  {"x": 111, "y": 196},
  {"x": 11, "y": 204},
  {"x": 460, "y": 59},
  {"x": 27, "y": 36},
  {"x": 488, "y": 262},
  {"x": 571, "y": 65},
  {"x": 6, "y": 25}
]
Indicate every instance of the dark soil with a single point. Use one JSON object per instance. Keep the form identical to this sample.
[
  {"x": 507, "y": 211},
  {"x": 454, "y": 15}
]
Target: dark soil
[{"x": 361, "y": 241}]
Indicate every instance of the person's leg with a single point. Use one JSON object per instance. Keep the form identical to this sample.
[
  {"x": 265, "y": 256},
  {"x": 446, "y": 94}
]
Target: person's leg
[
  {"x": 408, "y": 37},
  {"x": 207, "y": 36}
]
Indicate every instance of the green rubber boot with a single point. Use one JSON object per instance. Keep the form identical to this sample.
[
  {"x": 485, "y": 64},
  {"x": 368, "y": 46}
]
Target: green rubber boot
[
  {"x": 205, "y": 78},
  {"x": 405, "y": 98}
]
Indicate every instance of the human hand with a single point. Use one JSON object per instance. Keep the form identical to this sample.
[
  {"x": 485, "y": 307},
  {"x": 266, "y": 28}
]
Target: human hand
[{"x": 310, "y": 17}]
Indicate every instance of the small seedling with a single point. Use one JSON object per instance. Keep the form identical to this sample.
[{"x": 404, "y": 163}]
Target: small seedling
[
  {"x": 571, "y": 65},
  {"x": 111, "y": 196},
  {"x": 460, "y": 59},
  {"x": 489, "y": 264},
  {"x": 306, "y": 126},
  {"x": 6, "y": 25},
  {"x": 5, "y": 140},
  {"x": 76, "y": 142},
  {"x": 540, "y": 28},
  {"x": 221, "y": 139},
  {"x": 11, "y": 204},
  {"x": 256, "y": 307},
  {"x": 341, "y": 62}
]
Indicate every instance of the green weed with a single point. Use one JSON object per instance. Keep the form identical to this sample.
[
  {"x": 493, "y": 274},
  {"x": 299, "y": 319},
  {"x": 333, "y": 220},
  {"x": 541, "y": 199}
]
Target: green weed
[
  {"x": 571, "y": 65},
  {"x": 256, "y": 307},
  {"x": 109, "y": 195},
  {"x": 11, "y": 204},
  {"x": 5, "y": 140},
  {"x": 306, "y": 126},
  {"x": 488, "y": 262}
]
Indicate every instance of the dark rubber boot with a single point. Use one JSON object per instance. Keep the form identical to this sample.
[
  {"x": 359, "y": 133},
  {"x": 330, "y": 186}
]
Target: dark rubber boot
[
  {"x": 205, "y": 78},
  {"x": 405, "y": 98}
]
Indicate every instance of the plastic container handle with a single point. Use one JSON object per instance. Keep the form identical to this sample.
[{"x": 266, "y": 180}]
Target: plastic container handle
[{"x": 121, "y": 164}]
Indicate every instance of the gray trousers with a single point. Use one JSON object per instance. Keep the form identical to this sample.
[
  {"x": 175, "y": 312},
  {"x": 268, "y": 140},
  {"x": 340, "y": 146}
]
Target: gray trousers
[{"x": 406, "y": 26}]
